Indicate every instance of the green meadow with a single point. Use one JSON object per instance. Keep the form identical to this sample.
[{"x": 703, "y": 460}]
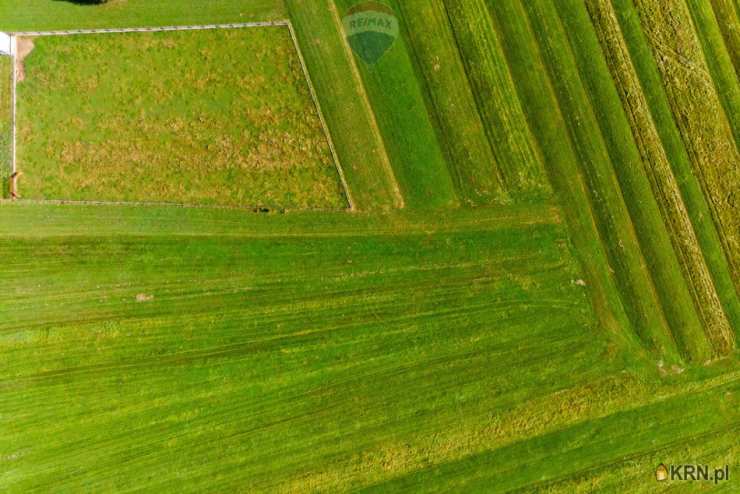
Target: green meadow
[
  {"x": 529, "y": 283},
  {"x": 215, "y": 117}
]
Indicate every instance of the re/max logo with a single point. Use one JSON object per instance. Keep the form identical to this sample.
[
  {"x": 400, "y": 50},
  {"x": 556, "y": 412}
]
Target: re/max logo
[{"x": 699, "y": 472}]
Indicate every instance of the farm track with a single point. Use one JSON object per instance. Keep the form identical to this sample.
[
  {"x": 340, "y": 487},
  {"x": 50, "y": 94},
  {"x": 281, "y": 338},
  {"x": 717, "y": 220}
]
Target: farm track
[{"x": 656, "y": 166}]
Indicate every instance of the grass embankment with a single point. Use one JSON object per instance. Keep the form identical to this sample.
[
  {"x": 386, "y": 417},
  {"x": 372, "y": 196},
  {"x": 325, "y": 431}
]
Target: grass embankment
[
  {"x": 699, "y": 114},
  {"x": 6, "y": 122},
  {"x": 728, "y": 19},
  {"x": 314, "y": 350},
  {"x": 718, "y": 60},
  {"x": 410, "y": 139},
  {"x": 220, "y": 117},
  {"x": 548, "y": 126},
  {"x": 505, "y": 123},
  {"x": 653, "y": 238},
  {"x": 357, "y": 140},
  {"x": 37, "y": 15},
  {"x": 612, "y": 216},
  {"x": 665, "y": 187},
  {"x": 473, "y": 167}
]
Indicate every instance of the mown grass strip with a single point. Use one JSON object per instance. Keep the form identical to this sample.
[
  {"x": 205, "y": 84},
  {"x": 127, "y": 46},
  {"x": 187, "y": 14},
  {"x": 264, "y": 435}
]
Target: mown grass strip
[
  {"x": 707, "y": 415},
  {"x": 728, "y": 19},
  {"x": 497, "y": 100},
  {"x": 718, "y": 60},
  {"x": 697, "y": 206},
  {"x": 612, "y": 216},
  {"x": 33, "y": 15},
  {"x": 698, "y": 112},
  {"x": 546, "y": 121},
  {"x": 652, "y": 235},
  {"x": 344, "y": 104},
  {"x": 656, "y": 166},
  {"x": 410, "y": 139},
  {"x": 472, "y": 164},
  {"x": 6, "y": 122}
]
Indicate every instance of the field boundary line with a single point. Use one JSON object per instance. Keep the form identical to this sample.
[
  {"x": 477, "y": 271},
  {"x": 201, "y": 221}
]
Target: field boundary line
[
  {"x": 315, "y": 98},
  {"x": 193, "y": 27},
  {"x": 359, "y": 83}
]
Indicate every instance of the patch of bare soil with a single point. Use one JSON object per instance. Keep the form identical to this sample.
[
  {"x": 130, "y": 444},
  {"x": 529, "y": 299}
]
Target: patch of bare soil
[{"x": 25, "y": 46}]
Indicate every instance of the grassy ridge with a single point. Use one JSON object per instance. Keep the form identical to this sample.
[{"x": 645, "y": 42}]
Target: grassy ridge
[
  {"x": 613, "y": 219},
  {"x": 659, "y": 111},
  {"x": 497, "y": 100},
  {"x": 344, "y": 104},
  {"x": 100, "y": 119},
  {"x": 317, "y": 368},
  {"x": 410, "y": 139},
  {"x": 657, "y": 168},
  {"x": 699, "y": 114},
  {"x": 472, "y": 164},
  {"x": 728, "y": 19},
  {"x": 38, "y": 15},
  {"x": 6, "y": 122},
  {"x": 654, "y": 241},
  {"x": 546, "y": 121},
  {"x": 719, "y": 62}
]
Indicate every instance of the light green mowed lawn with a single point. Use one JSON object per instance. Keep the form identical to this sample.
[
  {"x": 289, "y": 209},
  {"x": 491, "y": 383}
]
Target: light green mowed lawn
[{"x": 216, "y": 117}]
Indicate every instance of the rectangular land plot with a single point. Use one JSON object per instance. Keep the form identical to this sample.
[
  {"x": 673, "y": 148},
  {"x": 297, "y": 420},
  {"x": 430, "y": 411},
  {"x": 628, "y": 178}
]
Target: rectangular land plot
[{"x": 206, "y": 117}]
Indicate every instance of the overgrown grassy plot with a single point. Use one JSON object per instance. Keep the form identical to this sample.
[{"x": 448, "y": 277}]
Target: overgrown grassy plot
[
  {"x": 400, "y": 108},
  {"x": 354, "y": 131},
  {"x": 511, "y": 140},
  {"x": 671, "y": 287},
  {"x": 218, "y": 117},
  {"x": 35, "y": 15},
  {"x": 312, "y": 369},
  {"x": 691, "y": 93},
  {"x": 6, "y": 121},
  {"x": 676, "y": 211},
  {"x": 472, "y": 164}
]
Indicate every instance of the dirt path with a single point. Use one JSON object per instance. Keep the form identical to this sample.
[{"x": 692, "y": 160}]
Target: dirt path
[{"x": 24, "y": 47}]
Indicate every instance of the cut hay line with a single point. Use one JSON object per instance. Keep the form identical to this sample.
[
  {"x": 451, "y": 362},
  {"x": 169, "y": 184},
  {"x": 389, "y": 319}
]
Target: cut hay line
[
  {"x": 475, "y": 170},
  {"x": 547, "y": 123},
  {"x": 658, "y": 169},
  {"x": 729, "y": 23},
  {"x": 626, "y": 163},
  {"x": 496, "y": 98},
  {"x": 699, "y": 115},
  {"x": 618, "y": 233}
]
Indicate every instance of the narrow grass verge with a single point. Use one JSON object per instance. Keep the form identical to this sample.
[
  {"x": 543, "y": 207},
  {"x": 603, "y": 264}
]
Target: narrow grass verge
[
  {"x": 410, "y": 139},
  {"x": 344, "y": 104}
]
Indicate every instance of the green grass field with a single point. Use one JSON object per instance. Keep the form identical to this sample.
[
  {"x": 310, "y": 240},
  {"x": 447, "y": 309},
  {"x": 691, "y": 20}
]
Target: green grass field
[
  {"x": 535, "y": 290},
  {"x": 37, "y": 15},
  {"x": 218, "y": 117}
]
